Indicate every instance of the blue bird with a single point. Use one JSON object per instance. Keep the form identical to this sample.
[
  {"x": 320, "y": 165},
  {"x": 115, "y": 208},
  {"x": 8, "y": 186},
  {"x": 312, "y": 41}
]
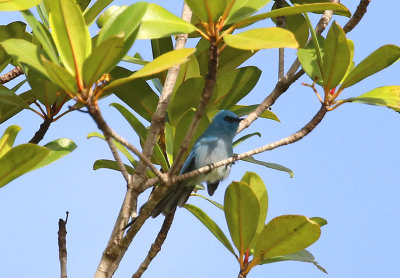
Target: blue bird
[{"x": 214, "y": 145}]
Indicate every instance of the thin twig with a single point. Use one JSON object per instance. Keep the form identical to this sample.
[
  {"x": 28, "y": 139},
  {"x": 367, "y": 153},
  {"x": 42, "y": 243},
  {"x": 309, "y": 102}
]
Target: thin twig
[
  {"x": 281, "y": 22},
  {"x": 62, "y": 245},
  {"x": 12, "y": 74},
  {"x": 116, "y": 248},
  {"x": 357, "y": 16},
  {"x": 156, "y": 246}
]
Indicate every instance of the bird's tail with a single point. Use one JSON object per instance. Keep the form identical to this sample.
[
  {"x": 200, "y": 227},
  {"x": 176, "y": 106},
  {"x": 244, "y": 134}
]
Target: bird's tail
[{"x": 177, "y": 195}]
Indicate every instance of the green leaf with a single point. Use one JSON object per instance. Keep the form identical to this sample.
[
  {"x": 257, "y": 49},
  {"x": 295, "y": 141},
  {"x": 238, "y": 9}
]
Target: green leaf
[
  {"x": 14, "y": 30},
  {"x": 20, "y": 160},
  {"x": 234, "y": 85},
  {"x": 70, "y": 35},
  {"x": 112, "y": 11},
  {"x": 91, "y": 13},
  {"x": 111, "y": 164},
  {"x": 242, "y": 213},
  {"x": 17, "y": 5},
  {"x": 336, "y": 58},
  {"x": 269, "y": 165},
  {"x": 137, "y": 94},
  {"x": 25, "y": 52},
  {"x": 388, "y": 96},
  {"x": 245, "y": 137},
  {"x": 298, "y": 26},
  {"x": 218, "y": 205},
  {"x": 8, "y": 138},
  {"x": 42, "y": 34},
  {"x": 319, "y": 220},
  {"x": 9, "y": 109},
  {"x": 159, "y": 64},
  {"x": 58, "y": 149},
  {"x": 161, "y": 46},
  {"x": 126, "y": 22},
  {"x": 257, "y": 185},
  {"x": 157, "y": 16},
  {"x": 134, "y": 60},
  {"x": 284, "y": 235},
  {"x": 83, "y": 4},
  {"x": 9, "y": 97},
  {"x": 44, "y": 90},
  {"x": 141, "y": 131},
  {"x": 200, "y": 8},
  {"x": 169, "y": 142},
  {"x": 187, "y": 70},
  {"x": 300, "y": 256},
  {"x": 244, "y": 8},
  {"x": 60, "y": 76},
  {"x": 262, "y": 38},
  {"x": 103, "y": 59},
  {"x": 316, "y": 7},
  {"x": 242, "y": 110},
  {"x": 376, "y": 61},
  {"x": 210, "y": 225},
  {"x": 303, "y": 2}
]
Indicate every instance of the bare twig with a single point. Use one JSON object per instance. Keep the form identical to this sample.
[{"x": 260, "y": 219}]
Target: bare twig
[
  {"x": 156, "y": 246},
  {"x": 281, "y": 22},
  {"x": 44, "y": 127},
  {"x": 62, "y": 245},
  {"x": 116, "y": 248},
  {"x": 357, "y": 16},
  {"x": 12, "y": 74}
]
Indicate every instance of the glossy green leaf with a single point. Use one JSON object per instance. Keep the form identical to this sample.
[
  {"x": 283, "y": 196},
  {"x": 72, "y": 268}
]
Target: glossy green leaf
[
  {"x": 200, "y": 7},
  {"x": 376, "y": 61},
  {"x": 309, "y": 60},
  {"x": 187, "y": 70},
  {"x": 9, "y": 97},
  {"x": 316, "y": 7},
  {"x": 284, "y": 235},
  {"x": 111, "y": 12},
  {"x": 134, "y": 60},
  {"x": 9, "y": 109},
  {"x": 210, "y": 225},
  {"x": 303, "y": 2},
  {"x": 244, "y": 8},
  {"x": 319, "y": 220},
  {"x": 60, "y": 76},
  {"x": 270, "y": 165},
  {"x": 126, "y": 22},
  {"x": 388, "y": 96},
  {"x": 20, "y": 160},
  {"x": 300, "y": 256},
  {"x": 8, "y": 138},
  {"x": 159, "y": 64},
  {"x": 185, "y": 98},
  {"x": 25, "y": 52},
  {"x": 14, "y": 30},
  {"x": 103, "y": 59},
  {"x": 17, "y": 5},
  {"x": 169, "y": 142},
  {"x": 245, "y": 137},
  {"x": 257, "y": 185},
  {"x": 262, "y": 38},
  {"x": 218, "y": 205},
  {"x": 137, "y": 94},
  {"x": 161, "y": 46},
  {"x": 242, "y": 213},
  {"x": 336, "y": 58},
  {"x": 111, "y": 164},
  {"x": 91, "y": 13},
  {"x": 242, "y": 110},
  {"x": 298, "y": 26},
  {"x": 58, "y": 149},
  {"x": 83, "y": 4},
  {"x": 43, "y": 14},
  {"x": 234, "y": 85},
  {"x": 157, "y": 16},
  {"x": 42, "y": 34},
  {"x": 44, "y": 90},
  {"x": 70, "y": 35}
]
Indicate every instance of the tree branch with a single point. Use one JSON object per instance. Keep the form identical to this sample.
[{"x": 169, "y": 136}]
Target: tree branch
[
  {"x": 357, "y": 16},
  {"x": 280, "y": 22},
  {"x": 12, "y": 74},
  {"x": 44, "y": 127},
  {"x": 156, "y": 246},
  {"x": 62, "y": 245},
  {"x": 116, "y": 248}
]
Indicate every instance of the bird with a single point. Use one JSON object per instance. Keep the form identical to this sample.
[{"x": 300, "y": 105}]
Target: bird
[{"x": 215, "y": 144}]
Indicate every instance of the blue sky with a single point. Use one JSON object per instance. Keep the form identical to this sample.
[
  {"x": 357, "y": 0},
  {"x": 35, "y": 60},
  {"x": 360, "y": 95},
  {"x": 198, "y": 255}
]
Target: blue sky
[{"x": 344, "y": 171}]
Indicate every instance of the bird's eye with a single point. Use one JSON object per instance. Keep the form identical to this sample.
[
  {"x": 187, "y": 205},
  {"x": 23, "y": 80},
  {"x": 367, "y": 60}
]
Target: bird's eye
[{"x": 231, "y": 119}]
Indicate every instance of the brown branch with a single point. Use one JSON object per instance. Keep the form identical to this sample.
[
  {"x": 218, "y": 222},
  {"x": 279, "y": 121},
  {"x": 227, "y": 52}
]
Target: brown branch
[
  {"x": 12, "y": 74},
  {"x": 156, "y": 246},
  {"x": 116, "y": 248},
  {"x": 280, "y": 22},
  {"x": 357, "y": 16},
  {"x": 209, "y": 85},
  {"x": 62, "y": 245},
  {"x": 44, "y": 127}
]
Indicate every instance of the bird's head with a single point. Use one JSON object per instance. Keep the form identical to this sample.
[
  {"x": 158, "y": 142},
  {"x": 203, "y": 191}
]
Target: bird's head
[{"x": 226, "y": 121}]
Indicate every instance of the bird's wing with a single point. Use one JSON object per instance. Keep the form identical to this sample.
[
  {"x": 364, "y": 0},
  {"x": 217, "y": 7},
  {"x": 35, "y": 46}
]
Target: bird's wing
[{"x": 189, "y": 162}]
